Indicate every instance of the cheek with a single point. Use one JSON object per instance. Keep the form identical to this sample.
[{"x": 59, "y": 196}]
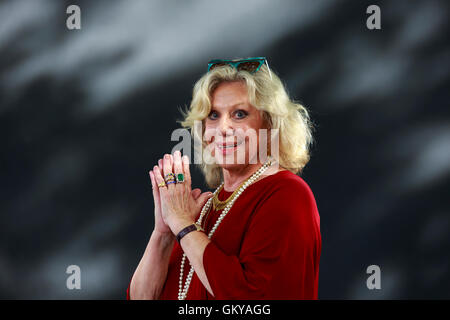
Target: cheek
[
  {"x": 254, "y": 135},
  {"x": 210, "y": 131},
  {"x": 252, "y": 125}
]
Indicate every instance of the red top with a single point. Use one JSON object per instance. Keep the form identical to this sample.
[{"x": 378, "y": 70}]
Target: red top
[{"x": 267, "y": 247}]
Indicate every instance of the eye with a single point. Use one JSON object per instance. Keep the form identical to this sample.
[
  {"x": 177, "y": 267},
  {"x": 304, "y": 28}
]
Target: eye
[
  {"x": 240, "y": 114},
  {"x": 212, "y": 115}
]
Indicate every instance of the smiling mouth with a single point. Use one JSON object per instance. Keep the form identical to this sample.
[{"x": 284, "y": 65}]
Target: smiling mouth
[{"x": 229, "y": 146}]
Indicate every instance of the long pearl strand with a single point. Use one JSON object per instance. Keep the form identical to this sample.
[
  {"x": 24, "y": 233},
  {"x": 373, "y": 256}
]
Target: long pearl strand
[{"x": 182, "y": 291}]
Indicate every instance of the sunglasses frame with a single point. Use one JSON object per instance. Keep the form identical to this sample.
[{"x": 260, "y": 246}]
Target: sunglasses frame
[{"x": 236, "y": 62}]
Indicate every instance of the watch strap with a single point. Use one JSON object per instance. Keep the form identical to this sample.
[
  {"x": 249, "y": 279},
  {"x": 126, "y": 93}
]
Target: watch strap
[{"x": 185, "y": 231}]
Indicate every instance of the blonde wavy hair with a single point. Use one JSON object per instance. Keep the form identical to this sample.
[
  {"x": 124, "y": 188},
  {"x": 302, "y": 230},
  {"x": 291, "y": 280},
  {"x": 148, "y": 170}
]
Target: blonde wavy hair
[{"x": 266, "y": 93}]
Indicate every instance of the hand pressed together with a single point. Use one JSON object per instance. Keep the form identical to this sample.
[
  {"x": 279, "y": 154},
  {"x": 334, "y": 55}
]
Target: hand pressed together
[{"x": 176, "y": 204}]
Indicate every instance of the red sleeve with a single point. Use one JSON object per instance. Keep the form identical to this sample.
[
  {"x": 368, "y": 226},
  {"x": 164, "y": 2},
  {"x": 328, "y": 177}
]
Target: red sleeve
[
  {"x": 128, "y": 291},
  {"x": 280, "y": 252}
]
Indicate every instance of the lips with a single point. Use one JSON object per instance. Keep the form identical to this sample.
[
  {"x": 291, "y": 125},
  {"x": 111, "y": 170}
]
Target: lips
[{"x": 228, "y": 146}]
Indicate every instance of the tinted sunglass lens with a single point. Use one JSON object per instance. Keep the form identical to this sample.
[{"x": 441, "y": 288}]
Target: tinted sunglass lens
[
  {"x": 250, "y": 66},
  {"x": 215, "y": 65}
]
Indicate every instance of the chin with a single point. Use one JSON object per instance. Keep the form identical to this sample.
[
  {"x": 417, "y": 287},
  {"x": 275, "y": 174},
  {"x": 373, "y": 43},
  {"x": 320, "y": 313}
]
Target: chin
[
  {"x": 230, "y": 166},
  {"x": 231, "y": 162}
]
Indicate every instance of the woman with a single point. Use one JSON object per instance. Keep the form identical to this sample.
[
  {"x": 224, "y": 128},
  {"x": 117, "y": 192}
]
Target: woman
[{"x": 258, "y": 235}]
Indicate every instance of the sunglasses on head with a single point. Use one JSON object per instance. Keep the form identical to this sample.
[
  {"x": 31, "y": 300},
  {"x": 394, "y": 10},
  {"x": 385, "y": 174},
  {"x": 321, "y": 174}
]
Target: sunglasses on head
[{"x": 249, "y": 64}]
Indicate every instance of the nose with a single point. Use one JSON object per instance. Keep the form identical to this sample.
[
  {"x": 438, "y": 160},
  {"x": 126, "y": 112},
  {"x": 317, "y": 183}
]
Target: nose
[{"x": 225, "y": 127}]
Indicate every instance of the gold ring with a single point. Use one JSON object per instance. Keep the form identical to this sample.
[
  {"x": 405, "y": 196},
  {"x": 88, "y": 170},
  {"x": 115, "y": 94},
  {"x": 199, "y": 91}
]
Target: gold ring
[{"x": 162, "y": 184}]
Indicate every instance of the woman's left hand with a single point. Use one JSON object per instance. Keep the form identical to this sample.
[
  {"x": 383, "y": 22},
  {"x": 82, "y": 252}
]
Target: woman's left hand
[{"x": 179, "y": 203}]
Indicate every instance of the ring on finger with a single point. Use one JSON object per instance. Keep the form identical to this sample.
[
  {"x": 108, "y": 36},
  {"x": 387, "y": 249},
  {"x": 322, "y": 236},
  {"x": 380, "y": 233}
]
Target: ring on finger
[
  {"x": 170, "y": 177},
  {"x": 161, "y": 184},
  {"x": 180, "y": 177}
]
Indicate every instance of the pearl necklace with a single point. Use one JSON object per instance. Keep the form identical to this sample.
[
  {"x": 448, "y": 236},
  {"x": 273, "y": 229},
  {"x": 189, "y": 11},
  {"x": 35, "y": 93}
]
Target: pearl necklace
[{"x": 182, "y": 291}]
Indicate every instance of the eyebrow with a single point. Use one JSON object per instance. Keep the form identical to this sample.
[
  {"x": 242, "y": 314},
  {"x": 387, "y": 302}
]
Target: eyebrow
[{"x": 234, "y": 105}]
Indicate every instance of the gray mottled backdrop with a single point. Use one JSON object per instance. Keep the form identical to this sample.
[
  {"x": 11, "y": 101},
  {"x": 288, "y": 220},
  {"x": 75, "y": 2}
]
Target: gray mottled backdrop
[{"x": 84, "y": 114}]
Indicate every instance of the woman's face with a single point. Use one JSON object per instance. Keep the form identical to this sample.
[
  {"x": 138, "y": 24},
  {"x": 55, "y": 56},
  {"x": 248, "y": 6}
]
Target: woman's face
[{"x": 233, "y": 125}]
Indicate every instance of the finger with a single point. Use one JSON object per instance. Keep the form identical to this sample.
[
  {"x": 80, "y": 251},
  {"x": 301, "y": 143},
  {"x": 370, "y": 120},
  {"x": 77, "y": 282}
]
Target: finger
[
  {"x": 196, "y": 193},
  {"x": 201, "y": 200},
  {"x": 161, "y": 168},
  {"x": 172, "y": 167},
  {"x": 187, "y": 173},
  {"x": 178, "y": 168},
  {"x": 155, "y": 189},
  {"x": 167, "y": 168},
  {"x": 159, "y": 179},
  {"x": 166, "y": 164},
  {"x": 177, "y": 164},
  {"x": 171, "y": 160}
]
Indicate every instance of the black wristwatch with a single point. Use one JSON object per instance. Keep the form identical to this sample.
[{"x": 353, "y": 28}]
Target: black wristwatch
[{"x": 185, "y": 231}]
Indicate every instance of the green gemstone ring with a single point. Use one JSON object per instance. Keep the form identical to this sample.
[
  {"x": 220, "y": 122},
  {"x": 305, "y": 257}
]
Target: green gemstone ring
[{"x": 180, "y": 178}]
